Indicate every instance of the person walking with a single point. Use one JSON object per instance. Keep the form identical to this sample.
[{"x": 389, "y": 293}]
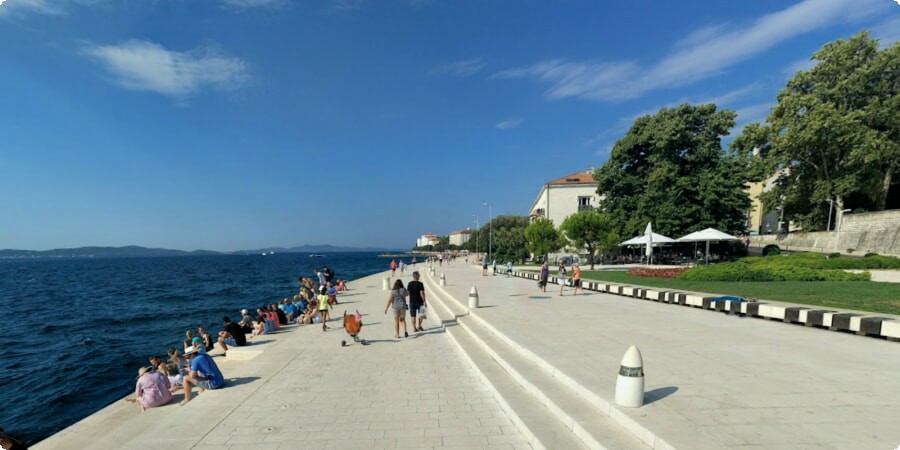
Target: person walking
[
  {"x": 508, "y": 268},
  {"x": 417, "y": 303},
  {"x": 576, "y": 279},
  {"x": 545, "y": 275},
  {"x": 561, "y": 274},
  {"x": 324, "y": 306},
  {"x": 397, "y": 302},
  {"x": 484, "y": 266},
  {"x": 393, "y": 267}
]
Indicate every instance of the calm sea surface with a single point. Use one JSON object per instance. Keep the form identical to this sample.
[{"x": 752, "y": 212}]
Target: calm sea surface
[{"x": 77, "y": 330}]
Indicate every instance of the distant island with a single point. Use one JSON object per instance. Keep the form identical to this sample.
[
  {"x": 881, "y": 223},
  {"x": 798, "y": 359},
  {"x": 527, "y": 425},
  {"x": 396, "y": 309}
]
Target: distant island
[{"x": 134, "y": 251}]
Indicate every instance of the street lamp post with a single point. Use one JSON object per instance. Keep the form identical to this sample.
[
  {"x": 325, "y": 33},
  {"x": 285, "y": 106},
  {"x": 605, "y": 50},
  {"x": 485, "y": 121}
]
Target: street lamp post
[
  {"x": 490, "y": 229},
  {"x": 476, "y": 234}
]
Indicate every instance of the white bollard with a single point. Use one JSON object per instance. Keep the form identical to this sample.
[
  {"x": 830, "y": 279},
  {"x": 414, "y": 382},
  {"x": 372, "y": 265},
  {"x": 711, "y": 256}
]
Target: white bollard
[
  {"x": 443, "y": 280},
  {"x": 630, "y": 383},
  {"x": 386, "y": 284},
  {"x": 473, "y": 298}
]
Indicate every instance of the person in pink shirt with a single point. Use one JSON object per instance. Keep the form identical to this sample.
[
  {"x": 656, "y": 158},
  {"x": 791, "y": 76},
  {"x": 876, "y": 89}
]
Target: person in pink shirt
[{"x": 151, "y": 389}]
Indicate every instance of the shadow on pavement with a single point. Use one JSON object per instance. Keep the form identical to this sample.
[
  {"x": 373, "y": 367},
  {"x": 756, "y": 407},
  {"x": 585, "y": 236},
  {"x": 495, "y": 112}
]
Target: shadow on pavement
[
  {"x": 540, "y": 297},
  {"x": 230, "y": 382},
  {"x": 659, "y": 394}
]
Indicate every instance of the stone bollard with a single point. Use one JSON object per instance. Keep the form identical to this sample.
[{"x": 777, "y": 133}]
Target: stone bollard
[
  {"x": 473, "y": 298},
  {"x": 630, "y": 383},
  {"x": 386, "y": 284},
  {"x": 443, "y": 280}
]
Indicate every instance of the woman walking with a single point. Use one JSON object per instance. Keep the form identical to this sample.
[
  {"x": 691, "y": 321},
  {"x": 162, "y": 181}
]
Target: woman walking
[
  {"x": 545, "y": 274},
  {"x": 397, "y": 302}
]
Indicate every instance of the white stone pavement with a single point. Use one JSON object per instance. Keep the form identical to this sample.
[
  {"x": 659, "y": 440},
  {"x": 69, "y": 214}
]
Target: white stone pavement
[
  {"x": 305, "y": 391},
  {"x": 713, "y": 381}
]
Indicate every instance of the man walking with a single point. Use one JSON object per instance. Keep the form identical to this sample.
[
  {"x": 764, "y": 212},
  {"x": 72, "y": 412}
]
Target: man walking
[{"x": 416, "y": 301}]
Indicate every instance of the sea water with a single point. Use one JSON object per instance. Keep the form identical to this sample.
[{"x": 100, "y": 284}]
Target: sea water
[{"x": 76, "y": 330}]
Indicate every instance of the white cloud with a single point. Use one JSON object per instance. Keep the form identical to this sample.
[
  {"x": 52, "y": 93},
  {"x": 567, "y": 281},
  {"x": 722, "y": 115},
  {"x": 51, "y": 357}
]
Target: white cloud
[
  {"x": 750, "y": 114},
  {"x": 801, "y": 64},
  {"x": 730, "y": 97},
  {"x": 887, "y": 32},
  {"x": 147, "y": 66},
  {"x": 460, "y": 68},
  {"x": 346, "y": 5},
  {"x": 250, "y": 4},
  {"x": 48, "y": 7},
  {"x": 702, "y": 54},
  {"x": 509, "y": 123}
]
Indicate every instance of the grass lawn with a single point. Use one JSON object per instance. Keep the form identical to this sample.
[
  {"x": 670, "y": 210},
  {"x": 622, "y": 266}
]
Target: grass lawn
[{"x": 859, "y": 295}]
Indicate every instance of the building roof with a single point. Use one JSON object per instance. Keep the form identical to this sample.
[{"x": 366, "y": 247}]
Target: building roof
[
  {"x": 429, "y": 235},
  {"x": 575, "y": 178},
  {"x": 462, "y": 232}
]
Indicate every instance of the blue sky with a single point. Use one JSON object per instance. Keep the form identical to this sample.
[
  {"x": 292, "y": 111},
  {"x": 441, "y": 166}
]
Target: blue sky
[{"x": 234, "y": 124}]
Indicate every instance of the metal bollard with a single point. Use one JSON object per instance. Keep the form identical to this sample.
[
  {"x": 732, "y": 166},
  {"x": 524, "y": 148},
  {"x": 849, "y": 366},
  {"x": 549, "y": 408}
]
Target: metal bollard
[
  {"x": 386, "y": 284},
  {"x": 630, "y": 383},
  {"x": 473, "y": 298},
  {"x": 443, "y": 281}
]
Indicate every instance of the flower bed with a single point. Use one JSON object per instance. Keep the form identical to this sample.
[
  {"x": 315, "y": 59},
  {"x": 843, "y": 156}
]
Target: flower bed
[{"x": 656, "y": 273}]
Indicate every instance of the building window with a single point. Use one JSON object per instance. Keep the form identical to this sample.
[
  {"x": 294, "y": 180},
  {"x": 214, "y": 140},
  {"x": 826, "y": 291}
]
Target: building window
[
  {"x": 584, "y": 203},
  {"x": 539, "y": 212}
]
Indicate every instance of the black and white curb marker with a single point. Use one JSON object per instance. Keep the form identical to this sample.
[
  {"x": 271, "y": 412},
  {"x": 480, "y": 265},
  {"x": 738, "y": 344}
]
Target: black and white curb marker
[{"x": 630, "y": 383}]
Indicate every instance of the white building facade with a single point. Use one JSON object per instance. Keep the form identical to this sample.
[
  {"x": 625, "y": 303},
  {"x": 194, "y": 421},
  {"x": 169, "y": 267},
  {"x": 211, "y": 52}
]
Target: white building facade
[
  {"x": 426, "y": 239},
  {"x": 562, "y": 197},
  {"x": 460, "y": 237}
]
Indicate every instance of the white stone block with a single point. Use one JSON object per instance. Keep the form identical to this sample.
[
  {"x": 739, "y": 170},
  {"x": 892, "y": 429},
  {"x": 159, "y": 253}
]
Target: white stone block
[
  {"x": 891, "y": 328},
  {"x": 694, "y": 300},
  {"x": 772, "y": 311},
  {"x": 628, "y": 291},
  {"x": 802, "y": 316},
  {"x": 653, "y": 295},
  {"x": 826, "y": 319},
  {"x": 855, "y": 323}
]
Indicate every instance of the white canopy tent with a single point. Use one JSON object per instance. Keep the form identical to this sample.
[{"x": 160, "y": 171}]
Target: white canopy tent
[
  {"x": 642, "y": 240},
  {"x": 708, "y": 235},
  {"x": 649, "y": 239}
]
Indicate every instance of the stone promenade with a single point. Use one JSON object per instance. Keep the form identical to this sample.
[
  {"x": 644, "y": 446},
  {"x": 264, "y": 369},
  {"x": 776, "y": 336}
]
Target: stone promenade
[
  {"x": 305, "y": 391},
  {"x": 712, "y": 380}
]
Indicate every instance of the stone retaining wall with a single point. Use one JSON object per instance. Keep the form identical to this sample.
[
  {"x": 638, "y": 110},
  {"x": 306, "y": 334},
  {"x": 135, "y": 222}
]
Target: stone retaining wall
[{"x": 873, "y": 232}]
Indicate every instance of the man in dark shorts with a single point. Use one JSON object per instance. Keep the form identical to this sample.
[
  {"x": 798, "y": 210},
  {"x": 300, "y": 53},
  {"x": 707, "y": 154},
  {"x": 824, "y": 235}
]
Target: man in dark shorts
[{"x": 416, "y": 300}]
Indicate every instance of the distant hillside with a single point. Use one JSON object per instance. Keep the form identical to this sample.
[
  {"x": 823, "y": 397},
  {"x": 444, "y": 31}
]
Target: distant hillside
[
  {"x": 322, "y": 248},
  {"x": 131, "y": 251},
  {"x": 134, "y": 251}
]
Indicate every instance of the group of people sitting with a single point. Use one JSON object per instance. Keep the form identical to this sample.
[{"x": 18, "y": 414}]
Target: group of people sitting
[{"x": 193, "y": 366}]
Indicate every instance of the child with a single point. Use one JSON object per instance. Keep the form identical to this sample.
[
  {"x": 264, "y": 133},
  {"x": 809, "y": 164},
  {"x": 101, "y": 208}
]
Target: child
[{"x": 324, "y": 306}]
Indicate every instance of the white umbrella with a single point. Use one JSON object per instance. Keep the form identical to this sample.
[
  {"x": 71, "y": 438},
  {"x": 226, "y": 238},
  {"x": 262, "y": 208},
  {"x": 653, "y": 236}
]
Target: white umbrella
[
  {"x": 708, "y": 235},
  {"x": 642, "y": 240},
  {"x": 648, "y": 233}
]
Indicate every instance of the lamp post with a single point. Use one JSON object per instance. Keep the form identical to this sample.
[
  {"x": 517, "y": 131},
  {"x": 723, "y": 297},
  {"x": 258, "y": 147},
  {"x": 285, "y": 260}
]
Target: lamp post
[
  {"x": 476, "y": 234},
  {"x": 490, "y": 228}
]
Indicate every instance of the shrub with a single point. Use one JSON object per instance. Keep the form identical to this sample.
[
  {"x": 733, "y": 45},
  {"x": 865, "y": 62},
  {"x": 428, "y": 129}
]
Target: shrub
[
  {"x": 869, "y": 255},
  {"x": 771, "y": 250},
  {"x": 834, "y": 255},
  {"x": 656, "y": 273},
  {"x": 744, "y": 272}
]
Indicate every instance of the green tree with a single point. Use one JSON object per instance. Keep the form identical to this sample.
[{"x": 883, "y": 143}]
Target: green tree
[
  {"x": 591, "y": 231},
  {"x": 834, "y": 134},
  {"x": 542, "y": 238},
  {"x": 508, "y": 242},
  {"x": 670, "y": 168}
]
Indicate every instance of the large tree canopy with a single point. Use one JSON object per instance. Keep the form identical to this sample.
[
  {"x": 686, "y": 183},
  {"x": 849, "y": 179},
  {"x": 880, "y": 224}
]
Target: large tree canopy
[
  {"x": 670, "y": 169},
  {"x": 834, "y": 134},
  {"x": 542, "y": 238},
  {"x": 508, "y": 242},
  {"x": 591, "y": 231}
]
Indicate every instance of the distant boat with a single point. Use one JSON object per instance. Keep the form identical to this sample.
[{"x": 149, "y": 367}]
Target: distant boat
[{"x": 315, "y": 255}]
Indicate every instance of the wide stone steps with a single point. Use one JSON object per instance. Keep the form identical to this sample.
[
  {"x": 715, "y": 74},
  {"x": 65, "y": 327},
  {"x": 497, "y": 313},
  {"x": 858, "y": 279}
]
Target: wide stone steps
[{"x": 576, "y": 414}]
